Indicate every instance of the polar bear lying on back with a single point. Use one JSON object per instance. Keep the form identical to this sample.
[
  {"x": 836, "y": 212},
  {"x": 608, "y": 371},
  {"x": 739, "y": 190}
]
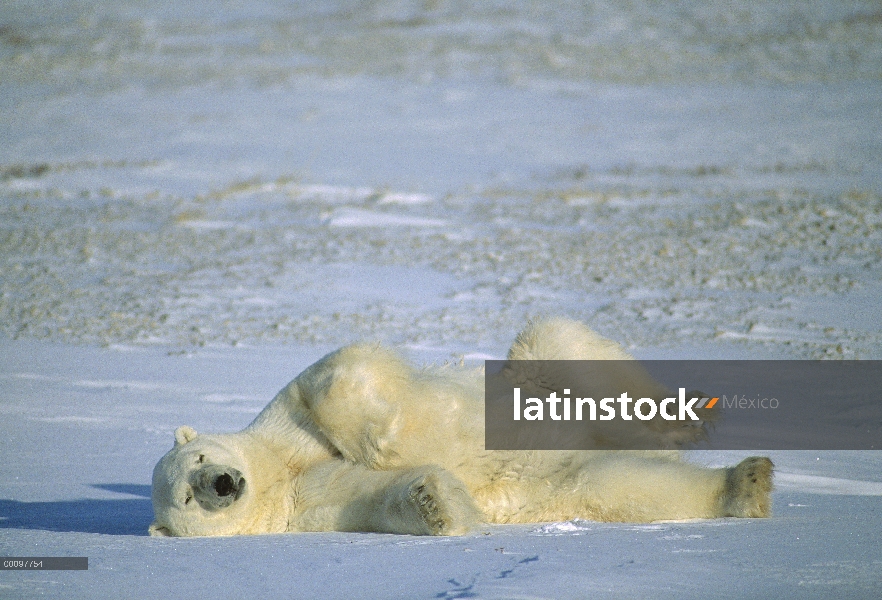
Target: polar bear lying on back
[{"x": 362, "y": 441}]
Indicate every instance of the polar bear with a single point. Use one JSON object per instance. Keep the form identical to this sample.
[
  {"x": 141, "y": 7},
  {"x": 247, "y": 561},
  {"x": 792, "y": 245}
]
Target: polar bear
[{"x": 363, "y": 441}]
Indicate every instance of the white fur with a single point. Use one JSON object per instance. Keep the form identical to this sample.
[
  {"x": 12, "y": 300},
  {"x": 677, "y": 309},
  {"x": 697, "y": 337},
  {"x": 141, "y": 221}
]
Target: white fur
[{"x": 363, "y": 441}]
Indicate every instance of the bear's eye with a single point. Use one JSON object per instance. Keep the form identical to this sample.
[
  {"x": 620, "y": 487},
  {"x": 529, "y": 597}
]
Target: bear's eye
[
  {"x": 201, "y": 458},
  {"x": 189, "y": 497}
]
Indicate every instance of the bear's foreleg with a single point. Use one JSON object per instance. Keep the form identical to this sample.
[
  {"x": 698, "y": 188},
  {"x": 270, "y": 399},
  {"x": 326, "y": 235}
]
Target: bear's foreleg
[
  {"x": 342, "y": 496},
  {"x": 427, "y": 501},
  {"x": 354, "y": 397}
]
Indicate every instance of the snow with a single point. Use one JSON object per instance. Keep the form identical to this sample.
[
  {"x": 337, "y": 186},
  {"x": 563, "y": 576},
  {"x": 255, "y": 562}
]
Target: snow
[
  {"x": 364, "y": 218},
  {"x": 199, "y": 200},
  {"x": 104, "y": 416}
]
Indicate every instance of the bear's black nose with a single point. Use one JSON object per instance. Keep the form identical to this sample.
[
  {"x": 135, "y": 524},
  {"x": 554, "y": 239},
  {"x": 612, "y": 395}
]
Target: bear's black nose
[
  {"x": 217, "y": 486},
  {"x": 224, "y": 485}
]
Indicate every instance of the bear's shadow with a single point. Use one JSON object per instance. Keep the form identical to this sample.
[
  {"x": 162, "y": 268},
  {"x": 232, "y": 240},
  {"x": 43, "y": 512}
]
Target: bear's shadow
[{"x": 127, "y": 516}]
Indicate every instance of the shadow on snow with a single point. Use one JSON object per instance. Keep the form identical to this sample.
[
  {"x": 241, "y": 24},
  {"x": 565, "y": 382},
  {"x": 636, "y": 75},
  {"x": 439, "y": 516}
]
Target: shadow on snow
[{"x": 129, "y": 516}]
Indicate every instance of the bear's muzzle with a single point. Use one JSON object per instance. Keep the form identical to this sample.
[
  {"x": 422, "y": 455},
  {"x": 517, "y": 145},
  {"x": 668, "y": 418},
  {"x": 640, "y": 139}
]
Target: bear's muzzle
[{"x": 217, "y": 486}]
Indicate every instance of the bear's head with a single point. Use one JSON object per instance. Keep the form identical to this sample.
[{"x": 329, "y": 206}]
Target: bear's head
[{"x": 217, "y": 485}]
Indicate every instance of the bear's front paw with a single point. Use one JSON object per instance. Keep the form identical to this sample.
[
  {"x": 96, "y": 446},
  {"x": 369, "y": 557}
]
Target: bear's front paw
[
  {"x": 423, "y": 497},
  {"x": 748, "y": 488},
  {"x": 437, "y": 503}
]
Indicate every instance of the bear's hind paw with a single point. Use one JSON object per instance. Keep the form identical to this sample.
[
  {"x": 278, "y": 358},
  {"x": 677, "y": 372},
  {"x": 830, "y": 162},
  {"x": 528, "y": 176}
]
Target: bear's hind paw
[{"x": 748, "y": 488}]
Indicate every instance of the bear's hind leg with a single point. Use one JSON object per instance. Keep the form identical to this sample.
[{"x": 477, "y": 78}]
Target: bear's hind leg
[
  {"x": 633, "y": 486},
  {"x": 747, "y": 488}
]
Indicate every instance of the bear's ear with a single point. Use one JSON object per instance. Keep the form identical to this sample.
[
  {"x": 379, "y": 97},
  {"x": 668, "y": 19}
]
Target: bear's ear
[
  {"x": 156, "y": 530},
  {"x": 184, "y": 434}
]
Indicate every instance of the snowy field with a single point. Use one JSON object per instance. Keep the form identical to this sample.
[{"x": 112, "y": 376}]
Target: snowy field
[{"x": 200, "y": 199}]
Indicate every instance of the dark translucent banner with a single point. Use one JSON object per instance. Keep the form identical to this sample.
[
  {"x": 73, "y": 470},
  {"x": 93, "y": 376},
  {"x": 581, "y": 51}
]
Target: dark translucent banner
[
  {"x": 44, "y": 563},
  {"x": 666, "y": 404}
]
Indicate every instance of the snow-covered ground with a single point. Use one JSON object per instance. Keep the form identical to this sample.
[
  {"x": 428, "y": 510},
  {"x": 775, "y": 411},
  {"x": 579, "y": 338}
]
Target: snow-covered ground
[
  {"x": 198, "y": 200},
  {"x": 82, "y": 428}
]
